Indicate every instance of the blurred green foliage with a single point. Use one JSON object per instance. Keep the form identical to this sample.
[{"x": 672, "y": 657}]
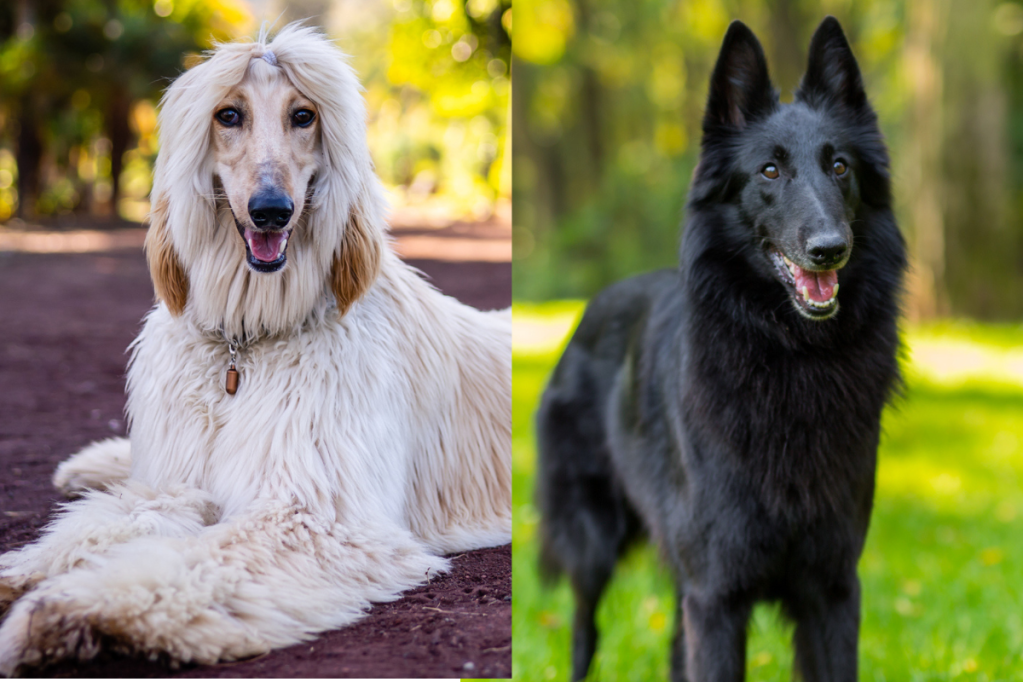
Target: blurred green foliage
[
  {"x": 940, "y": 572},
  {"x": 80, "y": 80},
  {"x": 609, "y": 98},
  {"x": 438, "y": 92}
]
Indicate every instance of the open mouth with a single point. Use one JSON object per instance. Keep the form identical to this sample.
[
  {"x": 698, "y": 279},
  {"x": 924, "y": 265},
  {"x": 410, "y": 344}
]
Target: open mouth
[
  {"x": 814, "y": 292},
  {"x": 265, "y": 250}
]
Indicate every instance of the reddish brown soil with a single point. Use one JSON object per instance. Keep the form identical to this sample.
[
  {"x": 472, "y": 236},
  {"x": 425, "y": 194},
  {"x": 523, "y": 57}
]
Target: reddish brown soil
[{"x": 67, "y": 320}]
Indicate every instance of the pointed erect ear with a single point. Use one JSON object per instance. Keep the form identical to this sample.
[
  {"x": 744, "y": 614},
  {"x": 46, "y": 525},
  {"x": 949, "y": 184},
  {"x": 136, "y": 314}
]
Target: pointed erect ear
[
  {"x": 169, "y": 279},
  {"x": 740, "y": 89},
  {"x": 357, "y": 260},
  {"x": 832, "y": 73}
]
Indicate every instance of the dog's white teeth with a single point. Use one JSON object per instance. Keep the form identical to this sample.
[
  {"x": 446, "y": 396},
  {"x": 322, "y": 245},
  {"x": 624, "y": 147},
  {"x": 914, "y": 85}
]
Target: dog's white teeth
[
  {"x": 284, "y": 245},
  {"x": 835, "y": 292},
  {"x": 806, "y": 294},
  {"x": 821, "y": 304}
]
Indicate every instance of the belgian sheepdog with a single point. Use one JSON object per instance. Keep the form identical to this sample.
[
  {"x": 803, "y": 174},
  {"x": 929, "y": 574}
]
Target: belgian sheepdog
[{"x": 731, "y": 408}]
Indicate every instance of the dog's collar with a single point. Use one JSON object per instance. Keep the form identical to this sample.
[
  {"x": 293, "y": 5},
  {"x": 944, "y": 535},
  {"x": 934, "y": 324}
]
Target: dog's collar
[{"x": 236, "y": 344}]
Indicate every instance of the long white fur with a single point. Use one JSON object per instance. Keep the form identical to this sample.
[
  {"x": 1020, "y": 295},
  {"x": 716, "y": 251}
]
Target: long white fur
[{"x": 358, "y": 450}]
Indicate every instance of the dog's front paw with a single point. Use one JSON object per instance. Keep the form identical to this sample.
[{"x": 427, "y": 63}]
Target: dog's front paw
[
  {"x": 97, "y": 467},
  {"x": 37, "y": 631},
  {"x": 12, "y": 587},
  {"x": 15, "y": 651},
  {"x": 13, "y": 643}
]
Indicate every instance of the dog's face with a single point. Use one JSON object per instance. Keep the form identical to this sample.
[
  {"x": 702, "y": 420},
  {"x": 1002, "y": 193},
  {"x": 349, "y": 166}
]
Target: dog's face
[
  {"x": 794, "y": 169},
  {"x": 266, "y": 151},
  {"x": 264, "y": 200},
  {"x": 800, "y": 200}
]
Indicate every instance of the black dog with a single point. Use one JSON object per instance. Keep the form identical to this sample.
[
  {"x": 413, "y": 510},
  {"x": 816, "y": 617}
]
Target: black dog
[{"x": 731, "y": 408}]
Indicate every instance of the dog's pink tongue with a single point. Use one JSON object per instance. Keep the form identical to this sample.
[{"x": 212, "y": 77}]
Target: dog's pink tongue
[
  {"x": 265, "y": 246},
  {"x": 819, "y": 285}
]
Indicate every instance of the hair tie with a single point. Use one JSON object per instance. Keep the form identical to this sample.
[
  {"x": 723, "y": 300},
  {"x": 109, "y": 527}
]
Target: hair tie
[{"x": 270, "y": 58}]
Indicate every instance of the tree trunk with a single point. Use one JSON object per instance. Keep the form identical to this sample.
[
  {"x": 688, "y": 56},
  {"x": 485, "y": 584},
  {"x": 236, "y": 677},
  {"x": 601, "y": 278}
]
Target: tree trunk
[
  {"x": 921, "y": 159},
  {"x": 981, "y": 246},
  {"x": 590, "y": 109},
  {"x": 28, "y": 158},
  {"x": 120, "y": 137},
  {"x": 788, "y": 58}
]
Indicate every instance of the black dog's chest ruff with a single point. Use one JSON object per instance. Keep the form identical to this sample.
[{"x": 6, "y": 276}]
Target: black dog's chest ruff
[{"x": 731, "y": 408}]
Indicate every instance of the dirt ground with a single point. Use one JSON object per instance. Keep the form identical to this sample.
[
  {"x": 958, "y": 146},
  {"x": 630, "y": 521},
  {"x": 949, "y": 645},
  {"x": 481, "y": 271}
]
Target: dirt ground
[{"x": 67, "y": 319}]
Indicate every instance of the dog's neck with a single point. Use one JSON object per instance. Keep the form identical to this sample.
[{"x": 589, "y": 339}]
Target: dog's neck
[{"x": 245, "y": 336}]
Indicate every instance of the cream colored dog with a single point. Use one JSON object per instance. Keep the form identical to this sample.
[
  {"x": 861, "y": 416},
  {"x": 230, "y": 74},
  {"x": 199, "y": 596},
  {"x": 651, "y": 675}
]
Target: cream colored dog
[{"x": 369, "y": 430}]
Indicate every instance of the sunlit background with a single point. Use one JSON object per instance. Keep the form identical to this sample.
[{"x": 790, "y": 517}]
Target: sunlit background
[
  {"x": 609, "y": 96},
  {"x": 80, "y": 81}
]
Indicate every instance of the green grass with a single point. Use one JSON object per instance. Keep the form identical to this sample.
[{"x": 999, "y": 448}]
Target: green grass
[{"x": 942, "y": 572}]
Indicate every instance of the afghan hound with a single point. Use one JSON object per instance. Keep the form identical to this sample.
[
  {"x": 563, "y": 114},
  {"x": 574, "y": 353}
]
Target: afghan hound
[{"x": 312, "y": 426}]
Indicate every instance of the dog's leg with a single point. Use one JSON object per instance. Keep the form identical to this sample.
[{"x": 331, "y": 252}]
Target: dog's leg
[
  {"x": 588, "y": 589},
  {"x": 265, "y": 580},
  {"x": 588, "y": 545},
  {"x": 678, "y": 641},
  {"x": 96, "y": 467},
  {"x": 585, "y": 530},
  {"x": 715, "y": 633},
  {"x": 826, "y": 637},
  {"x": 87, "y": 528},
  {"x": 586, "y": 520}
]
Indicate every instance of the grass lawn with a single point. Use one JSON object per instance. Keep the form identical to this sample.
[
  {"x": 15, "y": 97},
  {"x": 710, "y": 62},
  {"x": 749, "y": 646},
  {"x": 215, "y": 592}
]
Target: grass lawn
[{"x": 942, "y": 572}]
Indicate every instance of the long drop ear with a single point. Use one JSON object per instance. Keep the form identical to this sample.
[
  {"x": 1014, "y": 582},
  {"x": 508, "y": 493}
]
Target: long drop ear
[
  {"x": 740, "y": 89},
  {"x": 832, "y": 74},
  {"x": 169, "y": 278},
  {"x": 357, "y": 260}
]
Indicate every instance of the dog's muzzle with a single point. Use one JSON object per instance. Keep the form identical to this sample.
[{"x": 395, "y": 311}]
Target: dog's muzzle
[{"x": 266, "y": 243}]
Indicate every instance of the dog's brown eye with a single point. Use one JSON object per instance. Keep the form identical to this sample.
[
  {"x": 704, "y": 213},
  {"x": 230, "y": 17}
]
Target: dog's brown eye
[
  {"x": 303, "y": 117},
  {"x": 770, "y": 171},
  {"x": 840, "y": 167},
  {"x": 229, "y": 117}
]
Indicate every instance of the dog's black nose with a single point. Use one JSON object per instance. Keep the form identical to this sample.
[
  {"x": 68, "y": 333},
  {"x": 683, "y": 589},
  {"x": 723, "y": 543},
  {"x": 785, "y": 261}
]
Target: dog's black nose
[
  {"x": 270, "y": 209},
  {"x": 825, "y": 250}
]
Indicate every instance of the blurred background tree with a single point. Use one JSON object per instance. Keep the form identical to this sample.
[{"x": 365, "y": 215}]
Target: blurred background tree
[
  {"x": 80, "y": 81},
  {"x": 607, "y": 114},
  {"x": 439, "y": 100}
]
